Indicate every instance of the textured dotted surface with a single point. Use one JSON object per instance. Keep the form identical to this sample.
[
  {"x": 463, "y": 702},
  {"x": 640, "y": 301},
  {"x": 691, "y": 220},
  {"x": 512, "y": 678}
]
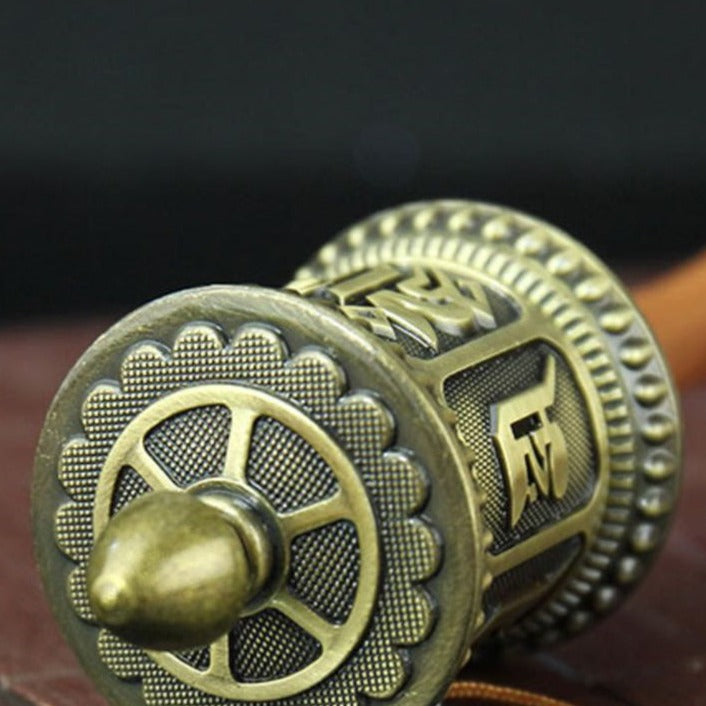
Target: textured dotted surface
[
  {"x": 325, "y": 564},
  {"x": 285, "y": 467},
  {"x": 540, "y": 569},
  {"x": 269, "y": 646},
  {"x": 130, "y": 485},
  {"x": 192, "y": 445},
  {"x": 198, "y": 659}
]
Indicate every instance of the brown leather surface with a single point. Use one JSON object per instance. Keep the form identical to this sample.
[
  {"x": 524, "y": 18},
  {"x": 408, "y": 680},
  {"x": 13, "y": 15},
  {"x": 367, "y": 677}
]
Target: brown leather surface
[{"x": 652, "y": 652}]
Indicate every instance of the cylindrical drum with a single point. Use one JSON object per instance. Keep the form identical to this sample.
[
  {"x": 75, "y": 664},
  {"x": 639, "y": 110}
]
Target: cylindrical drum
[{"x": 452, "y": 429}]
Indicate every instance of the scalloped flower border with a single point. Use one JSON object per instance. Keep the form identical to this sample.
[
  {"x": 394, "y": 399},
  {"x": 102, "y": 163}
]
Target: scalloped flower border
[{"x": 258, "y": 355}]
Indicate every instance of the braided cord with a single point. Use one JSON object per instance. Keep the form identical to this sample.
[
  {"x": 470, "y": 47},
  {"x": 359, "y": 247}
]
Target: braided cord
[{"x": 482, "y": 691}]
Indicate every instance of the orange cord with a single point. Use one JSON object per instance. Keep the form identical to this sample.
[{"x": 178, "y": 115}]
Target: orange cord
[
  {"x": 675, "y": 306},
  {"x": 482, "y": 691}
]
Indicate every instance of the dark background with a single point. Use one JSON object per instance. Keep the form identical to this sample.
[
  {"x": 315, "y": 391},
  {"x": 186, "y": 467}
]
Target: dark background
[{"x": 146, "y": 147}]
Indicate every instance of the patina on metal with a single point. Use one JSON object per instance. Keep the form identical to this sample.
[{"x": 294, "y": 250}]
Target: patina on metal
[{"x": 453, "y": 429}]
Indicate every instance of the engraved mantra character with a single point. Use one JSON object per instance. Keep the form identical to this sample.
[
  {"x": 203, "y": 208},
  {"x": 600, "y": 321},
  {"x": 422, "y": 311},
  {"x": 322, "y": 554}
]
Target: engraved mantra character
[
  {"x": 531, "y": 447},
  {"x": 421, "y": 303}
]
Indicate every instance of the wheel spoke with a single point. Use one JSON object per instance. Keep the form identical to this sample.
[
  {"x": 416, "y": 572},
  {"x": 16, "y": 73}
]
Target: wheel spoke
[
  {"x": 155, "y": 476},
  {"x": 314, "y": 516},
  {"x": 219, "y": 665},
  {"x": 306, "y": 619},
  {"x": 241, "y": 426}
]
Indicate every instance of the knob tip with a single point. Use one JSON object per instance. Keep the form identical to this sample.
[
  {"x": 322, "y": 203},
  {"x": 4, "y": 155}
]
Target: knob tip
[
  {"x": 169, "y": 572},
  {"x": 112, "y": 601}
]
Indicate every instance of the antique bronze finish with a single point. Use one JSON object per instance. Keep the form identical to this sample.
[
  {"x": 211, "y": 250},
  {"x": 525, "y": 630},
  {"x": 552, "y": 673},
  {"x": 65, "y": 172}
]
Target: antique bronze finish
[{"x": 454, "y": 429}]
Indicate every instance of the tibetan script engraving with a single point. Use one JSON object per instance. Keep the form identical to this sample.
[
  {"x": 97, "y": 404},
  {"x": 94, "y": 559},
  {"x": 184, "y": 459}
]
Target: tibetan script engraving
[
  {"x": 531, "y": 447},
  {"x": 422, "y": 302}
]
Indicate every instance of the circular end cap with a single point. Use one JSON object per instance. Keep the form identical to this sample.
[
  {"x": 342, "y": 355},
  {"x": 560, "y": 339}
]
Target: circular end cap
[{"x": 238, "y": 480}]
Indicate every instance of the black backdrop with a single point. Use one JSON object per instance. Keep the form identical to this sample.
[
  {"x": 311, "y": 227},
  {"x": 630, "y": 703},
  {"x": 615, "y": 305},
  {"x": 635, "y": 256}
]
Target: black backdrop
[{"x": 150, "y": 146}]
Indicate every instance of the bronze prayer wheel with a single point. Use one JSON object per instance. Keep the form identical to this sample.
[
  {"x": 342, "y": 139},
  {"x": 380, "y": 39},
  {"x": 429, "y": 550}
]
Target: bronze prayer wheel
[{"x": 452, "y": 430}]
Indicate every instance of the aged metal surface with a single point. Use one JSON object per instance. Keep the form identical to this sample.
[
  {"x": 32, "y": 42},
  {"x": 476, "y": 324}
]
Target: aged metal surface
[
  {"x": 453, "y": 430},
  {"x": 649, "y": 653},
  {"x": 551, "y": 344}
]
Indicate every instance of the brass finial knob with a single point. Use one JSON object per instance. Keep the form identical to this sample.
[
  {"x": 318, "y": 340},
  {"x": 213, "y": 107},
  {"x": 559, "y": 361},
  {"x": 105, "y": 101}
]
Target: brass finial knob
[
  {"x": 453, "y": 429},
  {"x": 170, "y": 572}
]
